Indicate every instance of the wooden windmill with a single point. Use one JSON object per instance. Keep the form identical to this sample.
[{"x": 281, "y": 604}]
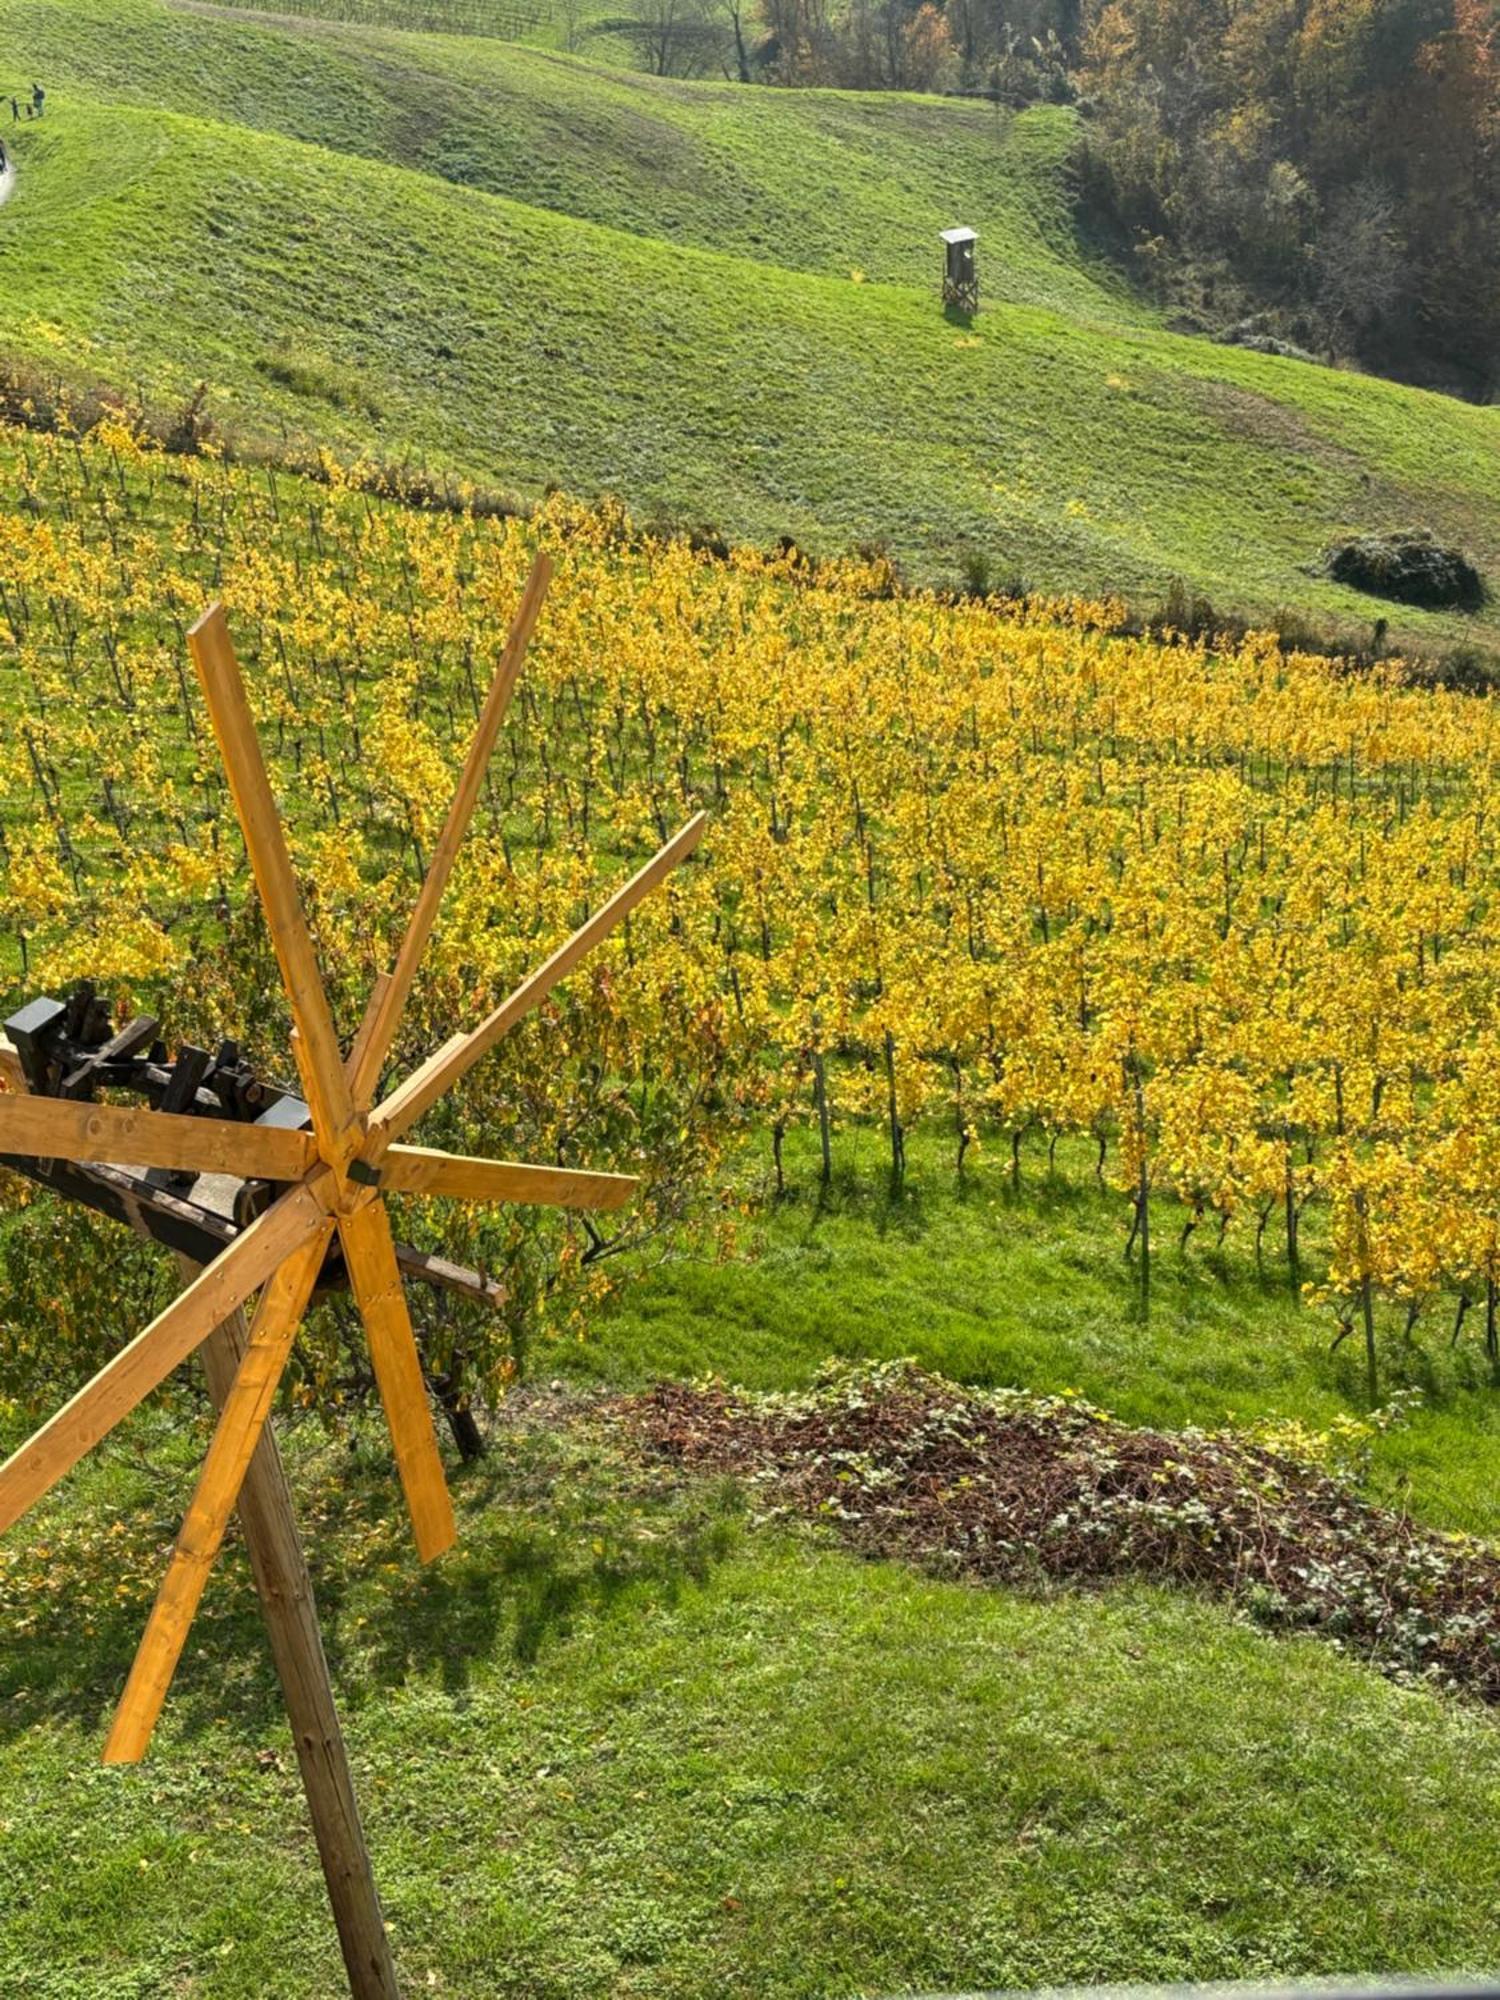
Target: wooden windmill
[{"x": 320, "y": 1170}]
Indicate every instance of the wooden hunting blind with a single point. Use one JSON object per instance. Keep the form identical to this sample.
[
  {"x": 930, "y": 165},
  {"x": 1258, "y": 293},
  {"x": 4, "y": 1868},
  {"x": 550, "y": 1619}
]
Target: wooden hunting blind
[
  {"x": 263, "y": 1190},
  {"x": 960, "y": 270}
]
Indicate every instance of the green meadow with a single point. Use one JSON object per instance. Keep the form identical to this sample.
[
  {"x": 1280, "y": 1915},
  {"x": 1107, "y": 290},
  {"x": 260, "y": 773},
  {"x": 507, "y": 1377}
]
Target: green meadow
[{"x": 718, "y": 303}]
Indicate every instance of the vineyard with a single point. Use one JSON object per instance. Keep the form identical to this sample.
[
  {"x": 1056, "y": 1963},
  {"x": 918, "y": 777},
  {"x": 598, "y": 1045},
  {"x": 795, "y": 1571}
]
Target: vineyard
[
  {"x": 995, "y": 1485},
  {"x": 989, "y": 871}
]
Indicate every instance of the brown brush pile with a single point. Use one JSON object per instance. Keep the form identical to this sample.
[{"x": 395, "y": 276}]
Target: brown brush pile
[{"x": 1016, "y": 1488}]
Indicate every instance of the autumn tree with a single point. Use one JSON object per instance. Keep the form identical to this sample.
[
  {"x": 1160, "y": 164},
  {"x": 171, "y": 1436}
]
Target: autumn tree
[{"x": 1332, "y": 161}]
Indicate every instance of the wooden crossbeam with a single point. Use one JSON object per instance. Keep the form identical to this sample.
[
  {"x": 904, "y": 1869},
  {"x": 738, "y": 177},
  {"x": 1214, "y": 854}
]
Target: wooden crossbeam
[
  {"x": 419, "y": 1170},
  {"x": 56, "y": 1128},
  {"x": 386, "y": 1007},
  {"x": 136, "y": 1370},
  {"x": 332, "y": 1106},
  {"x": 375, "y": 1278},
  {"x": 449, "y": 1277},
  {"x": 440, "y": 1072},
  {"x": 283, "y": 1301}
]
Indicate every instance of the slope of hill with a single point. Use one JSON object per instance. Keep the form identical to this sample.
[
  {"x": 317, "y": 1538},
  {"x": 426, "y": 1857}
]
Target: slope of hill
[
  {"x": 563, "y": 24},
  {"x": 716, "y": 302},
  {"x": 824, "y": 181}
]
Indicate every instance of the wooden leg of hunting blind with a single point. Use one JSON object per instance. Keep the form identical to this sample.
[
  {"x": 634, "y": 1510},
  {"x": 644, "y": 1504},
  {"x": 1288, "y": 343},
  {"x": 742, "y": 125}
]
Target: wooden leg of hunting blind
[{"x": 286, "y": 1599}]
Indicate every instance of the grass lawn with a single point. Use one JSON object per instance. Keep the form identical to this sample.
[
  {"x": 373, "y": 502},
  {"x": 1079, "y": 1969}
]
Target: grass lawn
[
  {"x": 625, "y": 1742},
  {"x": 629, "y": 1740},
  {"x": 715, "y": 302},
  {"x": 548, "y": 24}
]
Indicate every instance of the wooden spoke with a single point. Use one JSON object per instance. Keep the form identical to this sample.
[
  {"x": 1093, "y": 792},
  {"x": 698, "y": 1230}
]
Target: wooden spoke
[
  {"x": 358, "y": 1055},
  {"x": 439, "y": 1073},
  {"x": 376, "y": 1279},
  {"x": 417, "y": 1170},
  {"x": 56, "y": 1128},
  {"x": 234, "y": 726},
  {"x": 449, "y": 1277},
  {"x": 283, "y": 1301},
  {"x": 137, "y": 1369},
  {"x": 290, "y": 1611},
  {"x": 387, "y": 1010}
]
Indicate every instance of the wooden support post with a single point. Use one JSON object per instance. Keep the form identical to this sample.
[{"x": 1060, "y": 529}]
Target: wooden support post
[{"x": 286, "y": 1600}]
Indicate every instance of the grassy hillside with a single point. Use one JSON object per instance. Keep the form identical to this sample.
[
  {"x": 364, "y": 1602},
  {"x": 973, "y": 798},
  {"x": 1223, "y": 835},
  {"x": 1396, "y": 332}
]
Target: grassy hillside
[
  {"x": 514, "y": 20},
  {"x": 812, "y": 181},
  {"x": 716, "y": 302},
  {"x": 564, "y": 24}
]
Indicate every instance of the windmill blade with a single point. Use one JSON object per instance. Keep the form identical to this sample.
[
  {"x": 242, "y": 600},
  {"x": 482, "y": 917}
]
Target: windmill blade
[
  {"x": 384, "y": 1015},
  {"x": 136, "y": 1370},
  {"x": 358, "y": 1057},
  {"x": 419, "y": 1170},
  {"x": 260, "y": 822},
  {"x": 375, "y": 1278},
  {"x": 58, "y": 1128},
  {"x": 283, "y": 1302},
  {"x": 440, "y": 1072}
]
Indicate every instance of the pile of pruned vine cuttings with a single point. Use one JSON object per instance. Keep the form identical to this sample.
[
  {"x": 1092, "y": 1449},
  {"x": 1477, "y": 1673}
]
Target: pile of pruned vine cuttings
[{"x": 1015, "y": 1488}]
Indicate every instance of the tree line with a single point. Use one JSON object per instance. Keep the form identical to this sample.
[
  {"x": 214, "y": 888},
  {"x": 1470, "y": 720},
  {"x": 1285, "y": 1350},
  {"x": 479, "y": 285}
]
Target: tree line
[
  {"x": 1314, "y": 176},
  {"x": 1334, "y": 167}
]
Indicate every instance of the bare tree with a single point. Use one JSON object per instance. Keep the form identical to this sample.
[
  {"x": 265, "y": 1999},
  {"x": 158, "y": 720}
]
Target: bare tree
[
  {"x": 736, "y": 12},
  {"x": 670, "y": 37},
  {"x": 570, "y": 13},
  {"x": 1359, "y": 260}
]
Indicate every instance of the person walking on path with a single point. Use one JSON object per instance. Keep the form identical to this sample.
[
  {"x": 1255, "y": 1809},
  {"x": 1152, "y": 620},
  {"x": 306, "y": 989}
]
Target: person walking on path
[
  {"x": 38, "y": 98},
  {"x": 15, "y": 112}
]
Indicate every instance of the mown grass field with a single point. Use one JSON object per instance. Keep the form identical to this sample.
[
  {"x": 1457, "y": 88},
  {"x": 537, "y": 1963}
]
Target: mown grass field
[
  {"x": 816, "y": 181},
  {"x": 552, "y": 24},
  {"x": 630, "y": 1741},
  {"x": 719, "y": 303}
]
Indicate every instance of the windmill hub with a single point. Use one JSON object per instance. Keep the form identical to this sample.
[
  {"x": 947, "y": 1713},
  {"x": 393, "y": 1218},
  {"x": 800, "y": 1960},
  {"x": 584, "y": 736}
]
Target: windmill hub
[{"x": 348, "y": 1197}]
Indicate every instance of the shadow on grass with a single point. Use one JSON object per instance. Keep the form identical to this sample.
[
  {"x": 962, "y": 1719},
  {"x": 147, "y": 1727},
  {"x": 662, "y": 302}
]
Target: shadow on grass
[
  {"x": 916, "y": 1207},
  {"x": 875, "y": 1201},
  {"x": 549, "y": 1535},
  {"x": 522, "y": 1590}
]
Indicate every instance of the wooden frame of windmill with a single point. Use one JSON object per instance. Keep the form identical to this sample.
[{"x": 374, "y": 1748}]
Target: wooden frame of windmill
[{"x": 332, "y": 1179}]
